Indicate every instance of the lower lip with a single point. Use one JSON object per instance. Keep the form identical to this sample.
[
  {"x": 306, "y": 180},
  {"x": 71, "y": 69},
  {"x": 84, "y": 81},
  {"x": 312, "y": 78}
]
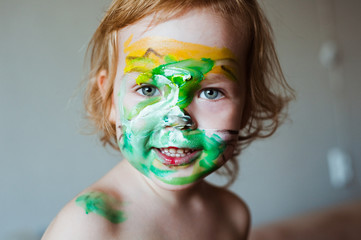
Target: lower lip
[{"x": 178, "y": 161}]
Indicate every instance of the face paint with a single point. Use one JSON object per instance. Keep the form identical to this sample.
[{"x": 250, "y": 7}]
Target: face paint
[
  {"x": 157, "y": 136},
  {"x": 101, "y": 204}
]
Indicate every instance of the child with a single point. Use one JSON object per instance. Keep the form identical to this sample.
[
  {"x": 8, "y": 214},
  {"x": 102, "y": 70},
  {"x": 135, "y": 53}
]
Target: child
[{"x": 177, "y": 86}]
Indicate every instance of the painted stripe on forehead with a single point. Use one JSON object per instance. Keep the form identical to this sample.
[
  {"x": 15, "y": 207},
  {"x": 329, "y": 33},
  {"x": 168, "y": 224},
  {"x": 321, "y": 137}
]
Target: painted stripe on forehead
[
  {"x": 151, "y": 52},
  {"x": 178, "y": 49}
]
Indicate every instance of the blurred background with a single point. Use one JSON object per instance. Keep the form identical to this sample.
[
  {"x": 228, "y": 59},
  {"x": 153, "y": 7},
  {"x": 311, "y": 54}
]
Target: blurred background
[{"x": 313, "y": 161}]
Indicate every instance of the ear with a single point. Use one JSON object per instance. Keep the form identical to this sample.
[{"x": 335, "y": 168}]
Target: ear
[
  {"x": 102, "y": 79},
  {"x": 103, "y": 86}
]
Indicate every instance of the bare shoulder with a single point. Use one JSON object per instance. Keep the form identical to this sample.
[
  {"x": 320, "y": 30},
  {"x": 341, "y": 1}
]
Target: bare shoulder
[
  {"x": 77, "y": 220},
  {"x": 92, "y": 214},
  {"x": 95, "y": 213},
  {"x": 234, "y": 209}
]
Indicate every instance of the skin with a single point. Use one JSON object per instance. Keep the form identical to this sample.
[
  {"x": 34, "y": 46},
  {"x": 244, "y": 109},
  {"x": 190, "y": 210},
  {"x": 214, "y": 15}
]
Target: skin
[
  {"x": 157, "y": 209},
  {"x": 144, "y": 51},
  {"x": 103, "y": 205},
  {"x": 159, "y": 119}
]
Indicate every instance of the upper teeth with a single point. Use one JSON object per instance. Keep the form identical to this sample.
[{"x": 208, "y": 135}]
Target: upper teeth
[{"x": 176, "y": 152}]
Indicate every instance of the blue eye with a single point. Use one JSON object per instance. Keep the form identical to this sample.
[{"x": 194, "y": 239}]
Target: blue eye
[
  {"x": 149, "y": 91},
  {"x": 211, "y": 94}
]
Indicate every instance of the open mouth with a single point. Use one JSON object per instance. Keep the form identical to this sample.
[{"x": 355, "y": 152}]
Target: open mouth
[{"x": 174, "y": 156}]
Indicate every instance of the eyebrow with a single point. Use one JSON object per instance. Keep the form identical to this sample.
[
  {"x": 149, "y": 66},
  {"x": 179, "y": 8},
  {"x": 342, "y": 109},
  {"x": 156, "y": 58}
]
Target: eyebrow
[
  {"x": 217, "y": 78},
  {"x": 228, "y": 71},
  {"x": 228, "y": 66},
  {"x": 145, "y": 63},
  {"x": 138, "y": 64}
]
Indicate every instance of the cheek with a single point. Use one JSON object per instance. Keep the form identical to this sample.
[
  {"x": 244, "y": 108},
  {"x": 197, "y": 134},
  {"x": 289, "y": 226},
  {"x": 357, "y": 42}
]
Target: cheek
[
  {"x": 216, "y": 115},
  {"x": 129, "y": 101},
  {"x": 126, "y": 99}
]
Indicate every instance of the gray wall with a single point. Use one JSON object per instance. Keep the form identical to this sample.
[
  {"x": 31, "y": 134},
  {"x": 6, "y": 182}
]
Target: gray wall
[
  {"x": 45, "y": 160},
  {"x": 288, "y": 173}
]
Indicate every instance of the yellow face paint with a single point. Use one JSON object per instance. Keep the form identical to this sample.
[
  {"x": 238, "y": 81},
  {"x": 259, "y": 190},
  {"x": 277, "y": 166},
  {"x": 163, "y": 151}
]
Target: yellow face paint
[{"x": 150, "y": 52}]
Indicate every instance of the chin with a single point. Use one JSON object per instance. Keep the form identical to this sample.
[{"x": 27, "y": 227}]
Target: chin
[{"x": 173, "y": 187}]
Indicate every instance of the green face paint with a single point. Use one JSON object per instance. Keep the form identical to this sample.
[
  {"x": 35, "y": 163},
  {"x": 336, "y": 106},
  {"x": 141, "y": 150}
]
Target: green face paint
[
  {"x": 186, "y": 75},
  {"x": 159, "y": 122},
  {"x": 102, "y": 205}
]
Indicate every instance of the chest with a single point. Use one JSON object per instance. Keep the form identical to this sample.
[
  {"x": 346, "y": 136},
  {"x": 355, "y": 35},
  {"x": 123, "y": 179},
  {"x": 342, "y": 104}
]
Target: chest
[{"x": 174, "y": 226}]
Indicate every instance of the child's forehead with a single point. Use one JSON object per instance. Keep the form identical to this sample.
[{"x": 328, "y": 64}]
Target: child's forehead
[
  {"x": 153, "y": 47},
  {"x": 148, "y": 53},
  {"x": 204, "y": 29}
]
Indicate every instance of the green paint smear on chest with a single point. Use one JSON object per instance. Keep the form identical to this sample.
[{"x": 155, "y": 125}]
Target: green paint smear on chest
[{"x": 102, "y": 205}]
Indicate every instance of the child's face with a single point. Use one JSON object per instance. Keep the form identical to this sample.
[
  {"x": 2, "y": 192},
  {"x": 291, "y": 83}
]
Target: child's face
[{"x": 179, "y": 96}]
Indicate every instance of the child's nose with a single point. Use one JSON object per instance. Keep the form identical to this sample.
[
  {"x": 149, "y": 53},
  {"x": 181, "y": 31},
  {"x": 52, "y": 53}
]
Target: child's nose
[{"x": 179, "y": 119}]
